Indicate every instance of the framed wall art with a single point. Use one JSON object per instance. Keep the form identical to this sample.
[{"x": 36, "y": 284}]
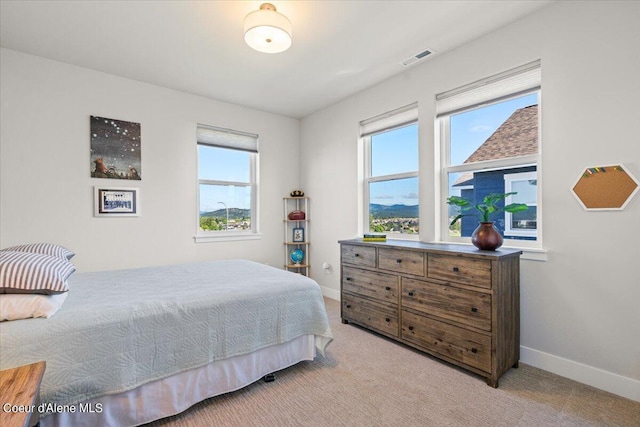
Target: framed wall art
[
  {"x": 116, "y": 202},
  {"x": 115, "y": 149}
]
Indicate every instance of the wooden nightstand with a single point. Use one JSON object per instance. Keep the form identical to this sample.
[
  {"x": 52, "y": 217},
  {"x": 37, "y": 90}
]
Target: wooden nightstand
[{"x": 20, "y": 387}]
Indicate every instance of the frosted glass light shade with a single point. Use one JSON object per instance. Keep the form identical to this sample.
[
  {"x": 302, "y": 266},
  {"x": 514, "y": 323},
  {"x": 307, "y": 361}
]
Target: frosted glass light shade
[{"x": 267, "y": 31}]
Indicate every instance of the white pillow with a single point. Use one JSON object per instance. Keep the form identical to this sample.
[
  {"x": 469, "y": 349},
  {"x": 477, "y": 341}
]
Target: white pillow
[{"x": 21, "y": 306}]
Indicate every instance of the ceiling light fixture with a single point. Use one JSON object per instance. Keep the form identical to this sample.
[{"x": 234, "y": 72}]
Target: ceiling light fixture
[{"x": 266, "y": 30}]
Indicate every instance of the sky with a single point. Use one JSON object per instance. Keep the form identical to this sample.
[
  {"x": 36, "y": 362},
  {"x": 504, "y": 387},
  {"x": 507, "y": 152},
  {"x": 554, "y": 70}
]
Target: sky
[
  {"x": 396, "y": 151},
  {"x": 392, "y": 152},
  {"x": 224, "y": 165},
  {"x": 471, "y": 129}
]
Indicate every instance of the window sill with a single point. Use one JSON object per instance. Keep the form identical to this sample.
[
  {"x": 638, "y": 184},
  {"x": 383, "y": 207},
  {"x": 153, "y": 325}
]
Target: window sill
[
  {"x": 531, "y": 254},
  {"x": 225, "y": 237}
]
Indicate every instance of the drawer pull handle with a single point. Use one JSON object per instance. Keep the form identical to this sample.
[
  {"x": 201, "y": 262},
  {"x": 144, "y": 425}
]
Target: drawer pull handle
[
  {"x": 388, "y": 288},
  {"x": 456, "y": 269},
  {"x": 348, "y": 279},
  {"x": 348, "y": 305},
  {"x": 387, "y": 320},
  {"x": 474, "y": 309},
  {"x": 399, "y": 261},
  {"x": 410, "y": 293},
  {"x": 356, "y": 255},
  {"x": 411, "y": 328},
  {"x": 474, "y": 350}
]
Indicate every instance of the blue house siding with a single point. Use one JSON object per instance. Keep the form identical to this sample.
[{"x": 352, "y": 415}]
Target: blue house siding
[{"x": 485, "y": 183}]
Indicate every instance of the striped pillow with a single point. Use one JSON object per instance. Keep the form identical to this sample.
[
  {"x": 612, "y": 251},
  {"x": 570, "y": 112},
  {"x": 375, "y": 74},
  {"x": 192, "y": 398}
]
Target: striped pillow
[
  {"x": 43, "y": 248},
  {"x": 28, "y": 273}
]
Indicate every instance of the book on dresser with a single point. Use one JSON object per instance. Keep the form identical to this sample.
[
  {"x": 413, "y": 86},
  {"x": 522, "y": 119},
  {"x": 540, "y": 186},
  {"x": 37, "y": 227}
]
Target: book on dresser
[
  {"x": 374, "y": 237},
  {"x": 454, "y": 302}
]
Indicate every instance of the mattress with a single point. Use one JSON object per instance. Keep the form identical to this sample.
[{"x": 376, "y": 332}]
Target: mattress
[{"x": 118, "y": 330}]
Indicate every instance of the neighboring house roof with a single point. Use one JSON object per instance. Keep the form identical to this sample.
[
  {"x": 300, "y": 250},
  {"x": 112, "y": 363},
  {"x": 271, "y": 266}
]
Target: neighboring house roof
[
  {"x": 463, "y": 180},
  {"x": 517, "y": 136}
]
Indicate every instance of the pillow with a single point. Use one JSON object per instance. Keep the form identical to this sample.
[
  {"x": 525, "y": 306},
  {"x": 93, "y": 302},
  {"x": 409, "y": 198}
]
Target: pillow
[
  {"x": 43, "y": 248},
  {"x": 27, "y": 273},
  {"x": 15, "y": 307}
]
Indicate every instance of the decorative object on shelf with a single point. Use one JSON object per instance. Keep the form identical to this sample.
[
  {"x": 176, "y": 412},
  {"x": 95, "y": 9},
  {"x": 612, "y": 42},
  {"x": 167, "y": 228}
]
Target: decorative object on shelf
[
  {"x": 605, "y": 187},
  {"x": 116, "y": 202},
  {"x": 266, "y": 30},
  {"x": 486, "y": 236},
  {"x": 297, "y": 193},
  {"x": 115, "y": 149},
  {"x": 298, "y": 234},
  {"x": 296, "y": 256},
  {"x": 297, "y": 215}
]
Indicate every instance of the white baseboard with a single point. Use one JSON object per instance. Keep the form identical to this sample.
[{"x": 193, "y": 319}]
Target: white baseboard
[
  {"x": 595, "y": 377},
  {"x": 330, "y": 293}
]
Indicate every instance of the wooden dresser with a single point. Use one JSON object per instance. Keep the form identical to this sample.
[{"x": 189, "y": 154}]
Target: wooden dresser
[{"x": 454, "y": 302}]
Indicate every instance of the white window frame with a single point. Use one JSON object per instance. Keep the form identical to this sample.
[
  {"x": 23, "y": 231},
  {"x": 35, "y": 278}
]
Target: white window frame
[
  {"x": 509, "y": 179},
  {"x": 508, "y": 85},
  {"x": 396, "y": 119},
  {"x": 236, "y": 141}
]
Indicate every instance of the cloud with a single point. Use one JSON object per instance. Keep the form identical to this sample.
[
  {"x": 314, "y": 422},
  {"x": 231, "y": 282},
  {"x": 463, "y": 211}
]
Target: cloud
[
  {"x": 480, "y": 128},
  {"x": 410, "y": 196}
]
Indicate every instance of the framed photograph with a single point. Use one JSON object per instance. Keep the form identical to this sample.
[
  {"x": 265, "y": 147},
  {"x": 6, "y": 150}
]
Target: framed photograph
[
  {"x": 116, "y": 202},
  {"x": 298, "y": 234}
]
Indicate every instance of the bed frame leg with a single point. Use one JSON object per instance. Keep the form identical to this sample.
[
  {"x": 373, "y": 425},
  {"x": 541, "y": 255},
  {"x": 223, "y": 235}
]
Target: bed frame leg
[{"x": 269, "y": 378}]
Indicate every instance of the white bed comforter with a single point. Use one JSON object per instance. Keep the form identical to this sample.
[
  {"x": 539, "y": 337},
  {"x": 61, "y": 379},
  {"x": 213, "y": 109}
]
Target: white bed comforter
[{"x": 120, "y": 329}]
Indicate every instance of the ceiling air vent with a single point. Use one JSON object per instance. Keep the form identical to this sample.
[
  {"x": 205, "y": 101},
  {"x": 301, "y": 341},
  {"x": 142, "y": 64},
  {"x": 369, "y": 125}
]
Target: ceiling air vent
[{"x": 418, "y": 56}]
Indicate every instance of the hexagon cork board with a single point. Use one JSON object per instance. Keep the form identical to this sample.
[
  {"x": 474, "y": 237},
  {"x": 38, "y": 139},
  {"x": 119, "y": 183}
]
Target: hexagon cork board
[{"x": 605, "y": 187}]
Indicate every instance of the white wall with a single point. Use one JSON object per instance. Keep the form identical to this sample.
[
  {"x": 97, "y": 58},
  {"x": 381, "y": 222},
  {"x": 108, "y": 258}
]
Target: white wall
[
  {"x": 580, "y": 314},
  {"x": 46, "y": 192}
]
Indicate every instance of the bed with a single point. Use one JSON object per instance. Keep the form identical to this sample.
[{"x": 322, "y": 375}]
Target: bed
[{"x": 132, "y": 346}]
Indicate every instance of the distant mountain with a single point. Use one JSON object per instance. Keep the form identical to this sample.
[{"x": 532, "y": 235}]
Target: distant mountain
[
  {"x": 393, "y": 211},
  {"x": 234, "y": 213}
]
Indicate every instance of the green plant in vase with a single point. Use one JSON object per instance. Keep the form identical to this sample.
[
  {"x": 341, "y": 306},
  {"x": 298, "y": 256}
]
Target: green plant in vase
[{"x": 486, "y": 236}]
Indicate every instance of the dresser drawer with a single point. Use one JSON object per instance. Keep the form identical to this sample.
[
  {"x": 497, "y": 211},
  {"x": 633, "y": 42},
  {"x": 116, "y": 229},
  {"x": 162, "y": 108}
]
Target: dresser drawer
[
  {"x": 381, "y": 317},
  {"x": 461, "y": 345},
  {"x": 468, "y": 271},
  {"x": 364, "y": 256},
  {"x": 401, "y": 261},
  {"x": 370, "y": 283},
  {"x": 460, "y": 305}
]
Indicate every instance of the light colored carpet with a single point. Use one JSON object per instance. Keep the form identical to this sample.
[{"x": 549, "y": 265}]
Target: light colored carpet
[{"x": 367, "y": 380}]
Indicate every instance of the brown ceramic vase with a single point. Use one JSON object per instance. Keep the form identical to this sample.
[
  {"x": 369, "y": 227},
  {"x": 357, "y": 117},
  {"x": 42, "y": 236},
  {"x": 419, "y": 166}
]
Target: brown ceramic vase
[{"x": 486, "y": 237}]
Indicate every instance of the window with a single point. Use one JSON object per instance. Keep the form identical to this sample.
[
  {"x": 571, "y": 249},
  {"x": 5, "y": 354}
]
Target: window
[
  {"x": 489, "y": 136},
  {"x": 391, "y": 173},
  {"x": 227, "y": 184},
  {"x": 525, "y": 185}
]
